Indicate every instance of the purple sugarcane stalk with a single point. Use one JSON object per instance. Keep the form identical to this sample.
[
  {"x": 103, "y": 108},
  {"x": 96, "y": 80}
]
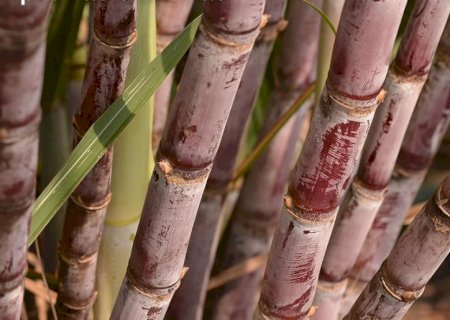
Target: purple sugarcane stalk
[
  {"x": 171, "y": 17},
  {"x": 189, "y": 300},
  {"x": 426, "y": 130},
  {"x": 404, "y": 83},
  {"x": 259, "y": 203},
  {"x": 331, "y": 150},
  {"x": 22, "y": 53},
  {"x": 114, "y": 32},
  {"x": 418, "y": 253},
  {"x": 195, "y": 126}
]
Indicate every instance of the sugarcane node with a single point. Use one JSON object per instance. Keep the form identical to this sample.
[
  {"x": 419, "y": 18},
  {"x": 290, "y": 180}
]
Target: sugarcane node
[
  {"x": 77, "y": 261},
  {"x": 241, "y": 43},
  {"x": 271, "y": 30},
  {"x": 305, "y": 215},
  {"x": 180, "y": 177},
  {"x": 162, "y": 41},
  {"x": 362, "y": 190},
  {"x": 254, "y": 222},
  {"x": 31, "y": 40},
  {"x": 91, "y": 207},
  {"x": 86, "y": 305},
  {"x": 352, "y": 107},
  {"x": 18, "y": 205},
  {"x": 399, "y": 75},
  {"x": 129, "y": 41},
  {"x": 400, "y": 171},
  {"x": 338, "y": 287},
  {"x": 397, "y": 292},
  {"x": 22, "y": 133},
  {"x": 7, "y": 285},
  {"x": 165, "y": 167},
  {"x": 160, "y": 294}
]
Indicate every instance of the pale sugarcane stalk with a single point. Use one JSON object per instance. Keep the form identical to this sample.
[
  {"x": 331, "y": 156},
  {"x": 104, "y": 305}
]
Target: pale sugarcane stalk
[
  {"x": 189, "y": 300},
  {"x": 22, "y": 52},
  {"x": 195, "y": 126},
  {"x": 426, "y": 130},
  {"x": 171, "y": 16},
  {"x": 418, "y": 253},
  {"x": 114, "y": 32},
  {"x": 333, "y": 9},
  {"x": 132, "y": 168},
  {"x": 363, "y": 45},
  {"x": 404, "y": 83},
  {"x": 259, "y": 203}
]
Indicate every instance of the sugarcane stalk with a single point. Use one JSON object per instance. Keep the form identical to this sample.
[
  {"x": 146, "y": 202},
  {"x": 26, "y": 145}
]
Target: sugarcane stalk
[
  {"x": 259, "y": 203},
  {"x": 114, "y": 32},
  {"x": 189, "y": 300},
  {"x": 426, "y": 130},
  {"x": 195, "y": 125},
  {"x": 418, "y": 253},
  {"x": 404, "y": 83},
  {"x": 171, "y": 17},
  {"x": 132, "y": 168},
  {"x": 22, "y": 52},
  {"x": 330, "y": 152}
]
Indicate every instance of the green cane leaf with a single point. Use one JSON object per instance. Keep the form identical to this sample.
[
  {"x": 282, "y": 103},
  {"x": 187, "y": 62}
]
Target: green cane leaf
[{"x": 107, "y": 128}]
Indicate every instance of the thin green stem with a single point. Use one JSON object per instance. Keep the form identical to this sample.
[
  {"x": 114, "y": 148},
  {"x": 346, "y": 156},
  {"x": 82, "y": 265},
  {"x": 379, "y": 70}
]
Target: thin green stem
[
  {"x": 264, "y": 142},
  {"x": 324, "y": 16}
]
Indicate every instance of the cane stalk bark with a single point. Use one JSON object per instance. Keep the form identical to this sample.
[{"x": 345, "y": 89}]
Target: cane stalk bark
[
  {"x": 418, "y": 253},
  {"x": 427, "y": 128},
  {"x": 189, "y": 300},
  {"x": 131, "y": 172},
  {"x": 195, "y": 125},
  {"x": 328, "y": 157},
  {"x": 259, "y": 204},
  {"x": 114, "y": 32},
  {"x": 171, "y": 17},
  {"x": 404, "y": 82},
  {"x": 22, "y": 52}
]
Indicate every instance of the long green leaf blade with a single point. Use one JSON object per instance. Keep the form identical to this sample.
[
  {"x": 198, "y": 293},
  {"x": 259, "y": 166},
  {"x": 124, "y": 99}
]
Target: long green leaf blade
[{"x": 106, "y": 129}]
